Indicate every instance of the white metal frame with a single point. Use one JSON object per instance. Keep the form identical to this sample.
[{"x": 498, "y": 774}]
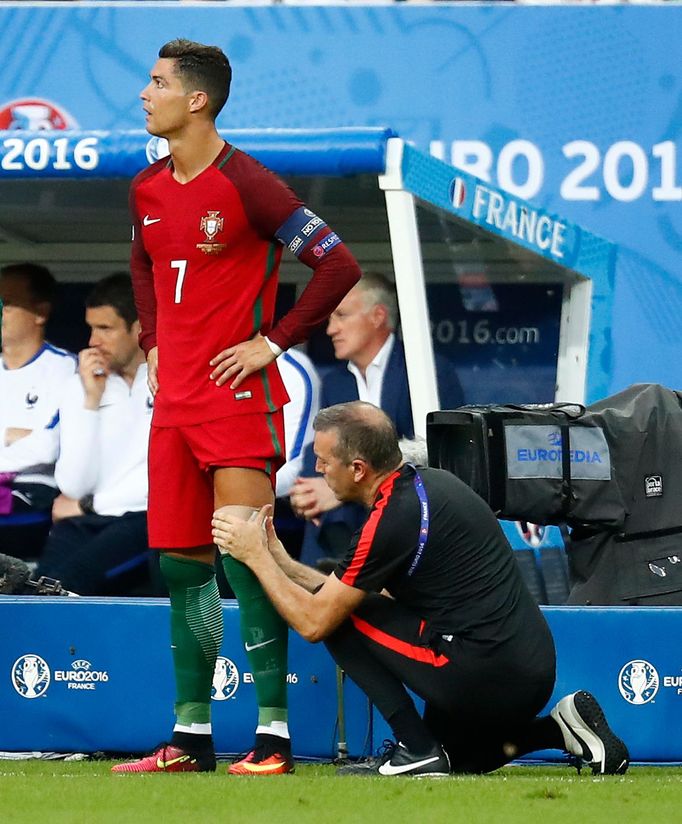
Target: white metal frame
[
  {"x": 410, "y": 288},
  {"x": 576, "y": 310},
  {"x": 574, "y": 333}
]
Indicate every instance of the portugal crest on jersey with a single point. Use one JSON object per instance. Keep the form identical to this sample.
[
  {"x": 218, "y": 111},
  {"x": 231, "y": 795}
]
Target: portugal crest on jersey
[{"x": 210, "y": 225}]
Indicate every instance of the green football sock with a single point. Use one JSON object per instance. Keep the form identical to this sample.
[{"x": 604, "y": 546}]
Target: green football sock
[
  {"x": 196, "y": 634},
  {"x": 266, "y": 640}
]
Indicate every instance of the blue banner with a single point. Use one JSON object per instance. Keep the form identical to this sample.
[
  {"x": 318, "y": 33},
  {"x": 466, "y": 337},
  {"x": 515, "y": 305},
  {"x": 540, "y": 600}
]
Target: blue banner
[
  {"x": 576, "y": 109},
  {"x": 89, "y": 674},
  {"x": 504, "y": 338}
]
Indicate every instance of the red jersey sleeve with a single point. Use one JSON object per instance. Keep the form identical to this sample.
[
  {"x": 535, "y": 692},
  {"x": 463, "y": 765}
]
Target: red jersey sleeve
[
  {"x": 276, "y": 212},
  {"x": 142, "y": 273},
  {"x": 333, "y": 277}
]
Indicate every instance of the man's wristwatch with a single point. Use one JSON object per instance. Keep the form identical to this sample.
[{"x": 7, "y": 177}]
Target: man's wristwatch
[{"x": 86, "y": 504}]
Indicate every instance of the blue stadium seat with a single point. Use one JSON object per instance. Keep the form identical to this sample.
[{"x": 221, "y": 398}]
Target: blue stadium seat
[{"x": 541, "y": 555}]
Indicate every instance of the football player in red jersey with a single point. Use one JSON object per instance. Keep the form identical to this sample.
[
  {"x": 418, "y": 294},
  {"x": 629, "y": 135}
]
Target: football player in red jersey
[{"x": 209, "y": 226}]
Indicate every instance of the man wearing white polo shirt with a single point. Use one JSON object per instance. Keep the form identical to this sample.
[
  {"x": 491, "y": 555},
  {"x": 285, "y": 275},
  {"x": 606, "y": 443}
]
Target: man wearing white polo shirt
[
  {"x": 32, "y": 374},
  {"x": 98, "y": 544}
]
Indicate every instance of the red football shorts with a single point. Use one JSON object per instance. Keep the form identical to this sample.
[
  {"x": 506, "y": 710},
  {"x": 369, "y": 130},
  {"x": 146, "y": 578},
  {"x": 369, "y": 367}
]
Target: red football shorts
[{"x": 181, "y": 464}]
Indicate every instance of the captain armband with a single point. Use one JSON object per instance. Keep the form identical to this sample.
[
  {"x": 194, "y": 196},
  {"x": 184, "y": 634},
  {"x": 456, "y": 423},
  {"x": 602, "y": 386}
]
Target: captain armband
[{"x": 304, "y": 230}]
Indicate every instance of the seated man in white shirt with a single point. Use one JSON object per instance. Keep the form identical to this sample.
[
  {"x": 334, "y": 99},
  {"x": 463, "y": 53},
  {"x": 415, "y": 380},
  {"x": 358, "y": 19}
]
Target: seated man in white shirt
[
  {"x": 32, "y": 373},
  {"x": 303, "y": 387},
  {"x": 98, "y": 544}
]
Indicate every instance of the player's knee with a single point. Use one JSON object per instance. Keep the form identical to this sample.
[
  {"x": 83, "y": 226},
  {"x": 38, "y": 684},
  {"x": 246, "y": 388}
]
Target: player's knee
[{"x": 238, "y": 511}]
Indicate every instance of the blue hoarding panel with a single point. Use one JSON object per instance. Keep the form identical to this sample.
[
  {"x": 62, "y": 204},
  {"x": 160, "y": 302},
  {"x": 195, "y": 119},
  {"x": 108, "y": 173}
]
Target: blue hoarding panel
[
  {"x": 626, "y": 659},
  {"x": 93, "y": 674}
]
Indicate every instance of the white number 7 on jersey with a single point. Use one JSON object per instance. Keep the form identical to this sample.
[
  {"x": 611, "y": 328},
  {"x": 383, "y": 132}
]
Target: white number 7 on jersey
[{"x": 181, "y": 266}]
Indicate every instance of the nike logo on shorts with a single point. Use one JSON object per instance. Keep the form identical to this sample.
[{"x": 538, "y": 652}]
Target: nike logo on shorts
[
  {"x": 249, "y": 647},
  {"x": 147, "y": 221}
]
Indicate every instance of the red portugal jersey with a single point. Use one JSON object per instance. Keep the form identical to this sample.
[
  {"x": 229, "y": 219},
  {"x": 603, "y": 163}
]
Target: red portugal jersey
[{"x": 204, "y": 262}]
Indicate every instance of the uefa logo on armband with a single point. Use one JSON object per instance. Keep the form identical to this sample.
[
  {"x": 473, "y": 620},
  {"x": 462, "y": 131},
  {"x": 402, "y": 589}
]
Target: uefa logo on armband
[
  {"x": 638, "y": 682},
  {"x": 225, "y": 679},
  {"x": 30, "y": 676}
]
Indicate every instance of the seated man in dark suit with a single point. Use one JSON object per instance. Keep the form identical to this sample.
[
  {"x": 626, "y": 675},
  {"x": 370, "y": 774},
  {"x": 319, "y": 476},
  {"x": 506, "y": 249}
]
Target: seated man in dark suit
[{"x": 372, "y": 368}]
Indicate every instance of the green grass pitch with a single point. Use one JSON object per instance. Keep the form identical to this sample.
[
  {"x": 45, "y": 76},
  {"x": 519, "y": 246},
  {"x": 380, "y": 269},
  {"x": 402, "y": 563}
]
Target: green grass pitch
[{"x": 52, "y": 792}]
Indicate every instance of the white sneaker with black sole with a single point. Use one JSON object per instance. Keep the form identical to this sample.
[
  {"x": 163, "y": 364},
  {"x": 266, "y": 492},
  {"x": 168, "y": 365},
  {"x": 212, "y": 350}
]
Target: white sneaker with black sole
[
  {"x": 588, "y": 736},
  {"x": 398, "y": 760}
]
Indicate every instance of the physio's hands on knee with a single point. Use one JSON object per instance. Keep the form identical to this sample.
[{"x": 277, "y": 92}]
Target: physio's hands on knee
[
  {"x": 239, "y": 538},
  {"x": 276, "y": 547}
]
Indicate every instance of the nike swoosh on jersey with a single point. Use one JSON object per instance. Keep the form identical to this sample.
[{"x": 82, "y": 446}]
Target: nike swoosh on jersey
[
  {"x": 147, "y": 221},
  {"x": 163, "y": 765},
  {"x": 389, "y": 769},
  {"x": 248, "y": 647}
]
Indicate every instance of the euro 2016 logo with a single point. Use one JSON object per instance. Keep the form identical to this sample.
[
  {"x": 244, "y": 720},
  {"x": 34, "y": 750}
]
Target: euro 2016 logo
[
  {"x": 30, "y": 676},
  {"x": 35, "y": 114},
  {"x": 638, "y": 682},
  {"x": 225, "y": 679}
]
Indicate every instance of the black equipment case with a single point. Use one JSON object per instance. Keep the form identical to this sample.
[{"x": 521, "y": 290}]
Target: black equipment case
[{"x": 612, "y": 472}]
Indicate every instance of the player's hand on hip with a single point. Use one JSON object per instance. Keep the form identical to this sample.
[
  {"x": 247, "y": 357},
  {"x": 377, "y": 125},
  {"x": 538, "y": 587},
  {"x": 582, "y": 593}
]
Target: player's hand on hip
[
  {"x": 240, "y": 361},
  {"x": 153, "y": 370}
]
